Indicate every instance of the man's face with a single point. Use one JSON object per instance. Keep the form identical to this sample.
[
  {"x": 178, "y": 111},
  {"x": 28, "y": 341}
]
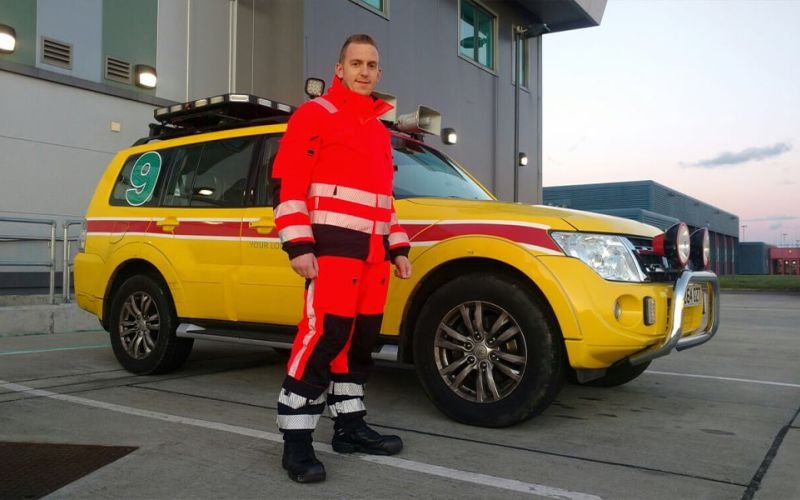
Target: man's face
[{"x": 360, "y": 70}]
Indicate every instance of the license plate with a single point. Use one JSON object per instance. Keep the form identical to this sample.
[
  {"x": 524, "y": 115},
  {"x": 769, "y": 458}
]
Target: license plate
[{"x": 694, "y": 295}]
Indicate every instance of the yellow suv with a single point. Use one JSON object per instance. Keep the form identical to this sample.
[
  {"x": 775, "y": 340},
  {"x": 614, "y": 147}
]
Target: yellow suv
[{"x": 507, "y": 300}]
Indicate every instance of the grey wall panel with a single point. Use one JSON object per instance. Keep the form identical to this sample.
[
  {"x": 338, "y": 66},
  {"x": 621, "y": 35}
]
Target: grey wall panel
[
  {"x": 51, "y": 162},
  {"x": 171, "y": 50},
  {"x": 78, "y": 23},
  {"x": 209, "y": 48},
  {"x": 269, "y": 49}
]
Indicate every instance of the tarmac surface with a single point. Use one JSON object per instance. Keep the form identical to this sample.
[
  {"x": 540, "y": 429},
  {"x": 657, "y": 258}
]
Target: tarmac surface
[{"x": 719, "y": 421}]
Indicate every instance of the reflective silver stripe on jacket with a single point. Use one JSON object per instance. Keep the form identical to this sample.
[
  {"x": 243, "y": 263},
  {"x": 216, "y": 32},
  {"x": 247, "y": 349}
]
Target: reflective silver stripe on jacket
[
  {"x": 328, "y": 105},
  {"x": 348, "y": 222},
  {"x": 294, "y": 232},
  {"x": 291, "y": 207},
  {"x": 398, "y": 238},
  {"x": 350, "y": 194}
]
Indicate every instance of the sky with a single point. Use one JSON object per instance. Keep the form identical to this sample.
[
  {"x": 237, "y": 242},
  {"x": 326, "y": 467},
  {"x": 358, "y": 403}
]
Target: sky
[{"x": 702, "y": 96}]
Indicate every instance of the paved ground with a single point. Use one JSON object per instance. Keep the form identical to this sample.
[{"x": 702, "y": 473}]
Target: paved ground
[{"x": 720, "y": 421}]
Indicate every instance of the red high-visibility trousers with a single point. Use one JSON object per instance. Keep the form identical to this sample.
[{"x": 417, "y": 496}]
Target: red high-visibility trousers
[{"x": 333, "y": 348}]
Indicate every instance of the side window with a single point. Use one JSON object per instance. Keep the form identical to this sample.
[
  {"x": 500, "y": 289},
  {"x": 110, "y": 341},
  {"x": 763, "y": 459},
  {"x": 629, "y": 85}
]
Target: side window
[
  {"x": 184, "y": 166},
  {"x": 477, "y": 33},
  {"x": 264, "y": 185},
  {"x": 141, "y": 180},
  {"x": 221, "y": 179},
  {"x": 212, "y": 174}
]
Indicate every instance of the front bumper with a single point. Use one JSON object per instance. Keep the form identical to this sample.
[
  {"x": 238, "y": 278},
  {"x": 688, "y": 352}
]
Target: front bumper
[{"x": 676, "y": 338}]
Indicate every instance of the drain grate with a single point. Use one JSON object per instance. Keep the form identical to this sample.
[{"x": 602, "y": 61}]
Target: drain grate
[{"x": 32, "y": 470}]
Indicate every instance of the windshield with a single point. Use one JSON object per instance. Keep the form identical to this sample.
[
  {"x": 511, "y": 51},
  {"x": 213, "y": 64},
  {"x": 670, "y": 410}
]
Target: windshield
[{"x": 422, "y": 172}]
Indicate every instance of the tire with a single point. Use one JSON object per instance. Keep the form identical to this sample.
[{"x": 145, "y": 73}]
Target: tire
[
  {"x": 502, "y": 373},
  {"x": 142, "y": 325},
  {"x": 618, "y": 375}
]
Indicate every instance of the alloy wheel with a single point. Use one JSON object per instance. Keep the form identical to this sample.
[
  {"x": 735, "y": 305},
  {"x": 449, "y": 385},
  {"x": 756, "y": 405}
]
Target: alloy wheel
[
  {"x": 480, "y": 351},
  {"x": 139, "y": 324}
]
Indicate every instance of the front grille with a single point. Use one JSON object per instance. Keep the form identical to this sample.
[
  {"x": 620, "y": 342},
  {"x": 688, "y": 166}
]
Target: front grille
[{"x": 656, "y": 268}]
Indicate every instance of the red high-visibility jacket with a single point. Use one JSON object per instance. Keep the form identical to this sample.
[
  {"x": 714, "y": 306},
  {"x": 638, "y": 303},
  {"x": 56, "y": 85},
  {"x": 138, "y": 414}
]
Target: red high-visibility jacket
[{"x": 333, "y": 178}]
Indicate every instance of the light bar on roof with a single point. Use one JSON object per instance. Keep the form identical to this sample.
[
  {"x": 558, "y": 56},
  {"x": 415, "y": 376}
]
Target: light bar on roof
[{"x": 221, "y": 109}]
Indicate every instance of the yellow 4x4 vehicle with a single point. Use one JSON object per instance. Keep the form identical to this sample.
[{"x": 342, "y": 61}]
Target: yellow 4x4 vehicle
[{"x": 506, "y": 300}]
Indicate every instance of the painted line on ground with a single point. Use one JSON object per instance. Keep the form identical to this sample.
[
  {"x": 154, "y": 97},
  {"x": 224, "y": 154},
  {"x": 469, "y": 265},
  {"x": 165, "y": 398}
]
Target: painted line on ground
[
  {"x": 729, "y": 379},
  {"x": 399, "y": 463},
  {"x": 52, "y": 349}
]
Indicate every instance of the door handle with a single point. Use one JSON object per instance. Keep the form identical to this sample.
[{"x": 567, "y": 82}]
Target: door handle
[
  {"x": 263, "y": 225},
  {"x": 168, "y": 224}
]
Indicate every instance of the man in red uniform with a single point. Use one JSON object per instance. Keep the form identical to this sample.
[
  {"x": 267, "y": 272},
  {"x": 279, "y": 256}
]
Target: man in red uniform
[{"x": 335, "y": 215}]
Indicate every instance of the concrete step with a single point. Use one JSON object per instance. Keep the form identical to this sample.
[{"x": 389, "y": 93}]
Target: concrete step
[{"x": 32, "y": 314}]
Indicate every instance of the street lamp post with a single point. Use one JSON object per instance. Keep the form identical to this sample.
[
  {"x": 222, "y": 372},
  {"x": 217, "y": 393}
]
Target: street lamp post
[{"x": 744, "y": 226}]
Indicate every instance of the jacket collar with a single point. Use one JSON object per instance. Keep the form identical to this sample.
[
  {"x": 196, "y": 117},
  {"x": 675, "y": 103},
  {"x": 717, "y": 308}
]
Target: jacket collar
[{"x": 365, "y": 107}]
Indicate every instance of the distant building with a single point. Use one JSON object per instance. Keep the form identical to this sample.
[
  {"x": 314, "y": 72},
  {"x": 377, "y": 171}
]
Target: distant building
[
  {"x": 753, "y": 258},
  {"x": 657, "y": 205},
  {"x": 784, "y": 260}
]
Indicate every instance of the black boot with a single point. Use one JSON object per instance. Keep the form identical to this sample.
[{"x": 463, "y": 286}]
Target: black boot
[
  {"x": 360, "y": 437},
  {"x": 301, "y": 463}
]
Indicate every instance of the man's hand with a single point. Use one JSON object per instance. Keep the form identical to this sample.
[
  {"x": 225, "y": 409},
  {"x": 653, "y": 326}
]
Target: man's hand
[
  {"x": 402, "y": 267},
  {"x": 305, "y": 265}
]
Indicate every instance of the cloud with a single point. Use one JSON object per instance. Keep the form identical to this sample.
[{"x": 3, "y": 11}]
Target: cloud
[
  {"x": 775, "y": 226},
  {"x": 745, "y": 155},
  {"x": 772, "y": 218}
]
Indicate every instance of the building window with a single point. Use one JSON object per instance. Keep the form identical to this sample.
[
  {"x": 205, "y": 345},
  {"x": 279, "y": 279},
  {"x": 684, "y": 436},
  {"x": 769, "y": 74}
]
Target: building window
[
  {"x": 476, "y": 34},
  {"x": 521, "y": 63},
  {"x": 377, "y": 6}
]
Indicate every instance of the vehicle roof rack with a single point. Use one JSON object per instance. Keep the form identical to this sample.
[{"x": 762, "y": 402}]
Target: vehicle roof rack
[{"x": 215, "y": 113}]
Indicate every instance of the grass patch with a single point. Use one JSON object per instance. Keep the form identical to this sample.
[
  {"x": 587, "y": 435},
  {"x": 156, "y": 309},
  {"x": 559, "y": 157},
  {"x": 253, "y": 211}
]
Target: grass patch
[{"x": 759, "y": 282}]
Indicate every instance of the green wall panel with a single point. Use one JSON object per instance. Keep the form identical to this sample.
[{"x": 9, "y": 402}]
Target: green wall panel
[
  {"x": 129, "y": 32},
  {"x": 20, "y": 15}
]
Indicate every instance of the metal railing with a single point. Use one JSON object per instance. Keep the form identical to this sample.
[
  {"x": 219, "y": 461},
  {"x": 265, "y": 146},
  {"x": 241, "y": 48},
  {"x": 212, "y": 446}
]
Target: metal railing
[
  {"x": 66, "y": 274},
  {"x": 51, "y": 263}
]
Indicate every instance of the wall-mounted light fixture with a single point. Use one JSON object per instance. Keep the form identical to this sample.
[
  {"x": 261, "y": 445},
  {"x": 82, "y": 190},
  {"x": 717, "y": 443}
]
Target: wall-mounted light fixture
[
  {"x": 449, "y": 136},
  {"x": 8, "y": 39},
  {"x": 146, "y": 76},
  {"x": 522, "y": 160}
]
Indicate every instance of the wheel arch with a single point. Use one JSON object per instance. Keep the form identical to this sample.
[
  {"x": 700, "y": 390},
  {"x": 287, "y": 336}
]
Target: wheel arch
[
  {"x": 458, "y": 267},
  {"x": 135, "y": 266}
]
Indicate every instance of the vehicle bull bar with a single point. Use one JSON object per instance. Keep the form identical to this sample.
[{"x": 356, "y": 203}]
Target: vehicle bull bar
[{"x": 676, "y": 340}]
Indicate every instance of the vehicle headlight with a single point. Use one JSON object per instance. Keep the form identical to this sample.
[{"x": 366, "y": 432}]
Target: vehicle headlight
[{"x": 610, "y": 256}]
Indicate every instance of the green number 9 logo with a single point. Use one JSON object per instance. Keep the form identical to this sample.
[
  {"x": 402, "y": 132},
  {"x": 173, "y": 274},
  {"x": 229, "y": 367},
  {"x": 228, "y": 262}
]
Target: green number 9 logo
[{"x": 143, "y": 179}]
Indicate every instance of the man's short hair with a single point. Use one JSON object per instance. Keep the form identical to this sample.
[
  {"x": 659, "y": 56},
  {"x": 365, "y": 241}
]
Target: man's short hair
[{"x": 357, "y": 38}]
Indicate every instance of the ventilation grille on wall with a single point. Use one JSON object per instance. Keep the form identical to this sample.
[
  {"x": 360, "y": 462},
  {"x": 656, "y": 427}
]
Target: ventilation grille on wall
[
  {"x": 118, "y": 70},
  {"x": 56, "y": 53}
]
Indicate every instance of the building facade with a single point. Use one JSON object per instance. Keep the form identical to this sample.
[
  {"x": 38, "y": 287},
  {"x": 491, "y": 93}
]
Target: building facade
[
  {"x": 657, "y": 205},
  {"x": 71, "y": 98},
  {"x": 72, "y": 95}
]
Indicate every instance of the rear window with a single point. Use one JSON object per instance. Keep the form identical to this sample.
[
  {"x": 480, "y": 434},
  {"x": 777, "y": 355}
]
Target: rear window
[
  {"x": 211, "y": 174},
  {"x": 138, "y": 183}
]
